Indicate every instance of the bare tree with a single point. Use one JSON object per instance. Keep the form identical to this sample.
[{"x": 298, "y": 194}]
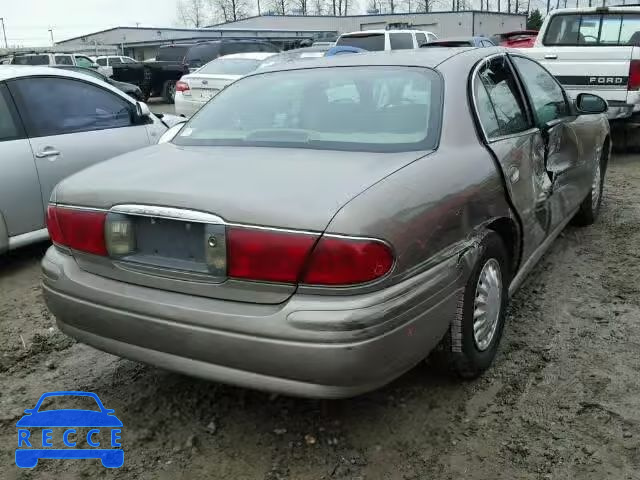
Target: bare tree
[
  {"x": 425, "y": 5},
  {"x": 373, "y": 5},
  {"x": 320, "y": 7},
  {"x": 280, "y": 7},
  {"x": 301, "y": 5},
  {"x": 230, "y": 10},
  {"x": 192, "y": 13}
]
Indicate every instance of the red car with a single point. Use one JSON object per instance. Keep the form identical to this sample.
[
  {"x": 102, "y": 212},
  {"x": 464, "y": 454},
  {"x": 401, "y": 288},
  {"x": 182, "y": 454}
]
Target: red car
[{"x": 516, "y": 39}]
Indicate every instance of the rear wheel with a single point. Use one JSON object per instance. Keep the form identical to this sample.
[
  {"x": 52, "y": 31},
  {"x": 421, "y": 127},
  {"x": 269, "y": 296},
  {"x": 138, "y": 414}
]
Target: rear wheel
[
  {"x": 472, "y": 341},
  {"x": 169, "y": 91},
  {"x": 590, "y": 206}
]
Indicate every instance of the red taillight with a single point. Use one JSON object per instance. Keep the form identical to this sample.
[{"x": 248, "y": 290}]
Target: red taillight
[
  {"x": 268, "y": 255},
  {"x": 634, "y": 75},
  {"x": 278, "y": 256},
  {"x": 347, "y": 261},
  {"x": 81, "y": 230},
  {"x": 182, "y": 86}
]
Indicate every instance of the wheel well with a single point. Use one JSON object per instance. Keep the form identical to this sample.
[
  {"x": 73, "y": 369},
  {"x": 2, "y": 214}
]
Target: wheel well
[{"x": 508, "y": 231}]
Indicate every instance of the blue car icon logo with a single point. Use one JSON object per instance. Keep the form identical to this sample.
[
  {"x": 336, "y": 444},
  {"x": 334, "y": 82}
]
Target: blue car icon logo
[{"x": 41, "y": 432}]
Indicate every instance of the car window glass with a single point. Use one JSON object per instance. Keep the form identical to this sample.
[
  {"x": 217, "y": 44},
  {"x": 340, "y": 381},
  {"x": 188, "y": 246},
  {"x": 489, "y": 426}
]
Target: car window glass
[
  {"x": 63, "y": 60},
  {"x": 115, "y": 61},
  {"x": 594, "y": 29},
  {"x": 73, "y": 106},
  {"x": 400, "y": 41},
  {"x": 610, "y": 30},
  {"x": 421, "y": 38},
  {"x": 497, "y": 77},
  {"x": 374, "y": 42},
  {"x": 362, "y": 108},
  {"x": 431, "y": 37},
  {"x": 31, "y": 60},
  {"x": 546, "y": 95},
  {"x": 128, "y": 60},
  {"x": 84, "y": 62},
  {"x": 102, "y": 62},
  {"x": 630, "y": 30},
  {"x": 8, "y": 129},
  {"x": 486, "y": 112}
]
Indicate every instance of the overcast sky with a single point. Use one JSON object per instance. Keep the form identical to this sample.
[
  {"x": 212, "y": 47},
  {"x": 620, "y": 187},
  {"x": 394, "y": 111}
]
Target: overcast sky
[{"x": 27, "y": 21}]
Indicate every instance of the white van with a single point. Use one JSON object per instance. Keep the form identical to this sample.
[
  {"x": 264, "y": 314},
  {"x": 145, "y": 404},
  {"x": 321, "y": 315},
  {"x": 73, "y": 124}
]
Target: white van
[{"x": 379, "y": 40}]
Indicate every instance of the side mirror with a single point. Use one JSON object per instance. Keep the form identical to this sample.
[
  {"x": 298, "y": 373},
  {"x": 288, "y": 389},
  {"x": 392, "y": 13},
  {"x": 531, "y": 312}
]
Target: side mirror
[
  {"x": 170, "y": 134},
  {"x": 587, "y": 104},
  {"x": 142, "y": 110}
]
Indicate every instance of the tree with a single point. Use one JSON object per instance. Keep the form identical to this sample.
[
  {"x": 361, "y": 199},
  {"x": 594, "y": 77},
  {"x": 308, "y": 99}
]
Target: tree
[
  {"x": 425, "y": 5},
  {"x": 534, "y": 21},
  {"x": 192, "y": 13},
  {"x": 280, "y": 7},
  {"x": 230, "y": 10},
  {"x": 301, "y": 5}
]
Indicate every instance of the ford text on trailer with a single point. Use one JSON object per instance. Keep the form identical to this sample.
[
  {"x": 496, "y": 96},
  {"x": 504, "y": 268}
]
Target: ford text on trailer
[{"x": 596, "y": 50}]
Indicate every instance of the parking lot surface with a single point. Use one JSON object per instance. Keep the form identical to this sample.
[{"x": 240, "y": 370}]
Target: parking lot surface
[{"x": 561, "y": 401}]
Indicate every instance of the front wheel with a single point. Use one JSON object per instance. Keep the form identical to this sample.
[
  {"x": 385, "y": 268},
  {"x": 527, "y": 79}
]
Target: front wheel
[
  {"x": 472, "y": 341},
  {"x": 169, "y": 91},
  {"x": 590, "y": 206}
]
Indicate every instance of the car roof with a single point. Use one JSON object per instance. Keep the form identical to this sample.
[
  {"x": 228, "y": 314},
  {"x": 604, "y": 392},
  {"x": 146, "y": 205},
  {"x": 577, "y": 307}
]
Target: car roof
[
  {"x": 396, "y": 30},
  {"x": 248, "y": 55},
  {"x": 9, "y": 72}
]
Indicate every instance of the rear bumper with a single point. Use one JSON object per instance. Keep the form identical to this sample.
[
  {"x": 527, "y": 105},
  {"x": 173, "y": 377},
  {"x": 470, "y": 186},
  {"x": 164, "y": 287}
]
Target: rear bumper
[
  {"x": 186, "y": 106},
  {"x": 308, "y": 351},
  {"x": 619, "y": 110}
]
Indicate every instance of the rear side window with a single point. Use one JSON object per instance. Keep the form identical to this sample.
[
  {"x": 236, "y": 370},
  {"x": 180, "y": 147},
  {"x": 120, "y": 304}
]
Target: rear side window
[
  {"x": 498, "y": 79},
  {"x": 401, "y": 41},
  {"x": 201, "y": 54},
  {"x": 171, "y": 54},
  {"x": 115, "y": 61},
  {"x": 421, "y": 38},
  {"x": 374, "y": 42},
  {"x": 102, "y": 62},
  {"x": 9, "y": 129},
  {"x": 72, "y": 106},
  {"x": 63, "y": 60},
  {"x": 594, "y": 30},
  {"x": 486, "y": 112},
  {"x": 84, "y": 62},
  {"x": 31, "y": 60}
]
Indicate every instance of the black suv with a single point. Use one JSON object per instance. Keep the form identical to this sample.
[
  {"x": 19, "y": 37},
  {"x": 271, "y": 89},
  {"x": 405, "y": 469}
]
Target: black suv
[{"x": 174, "y": 61}]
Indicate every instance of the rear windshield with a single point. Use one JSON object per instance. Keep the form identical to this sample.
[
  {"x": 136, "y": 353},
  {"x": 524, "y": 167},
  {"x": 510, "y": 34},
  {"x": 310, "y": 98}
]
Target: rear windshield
[
  {"x": 374, "y": 42},
  {"x": 380, "y": 109},
  {"x": 171, "y": 54},
  {"x": 201, "y": 54},
  {"x": 228, "y": 66},
  {"x": 594, "y": 30},
  {"x": 31, "y": 60}
]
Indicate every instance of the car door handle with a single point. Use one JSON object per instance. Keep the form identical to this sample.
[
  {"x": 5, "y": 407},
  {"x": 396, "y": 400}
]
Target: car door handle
[
  {"x": 551, "y": 56},
  {"x": 47, "y": 153}
]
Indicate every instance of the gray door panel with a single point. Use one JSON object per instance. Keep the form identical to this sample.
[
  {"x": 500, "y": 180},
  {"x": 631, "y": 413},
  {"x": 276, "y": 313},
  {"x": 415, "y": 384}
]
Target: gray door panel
[
  {"x": 20, "y": 202},
  {"x": 59, "y": 156}
]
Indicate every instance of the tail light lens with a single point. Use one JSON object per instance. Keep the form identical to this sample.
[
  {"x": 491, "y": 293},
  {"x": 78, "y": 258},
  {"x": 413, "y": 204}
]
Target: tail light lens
[
  {"x": 634, "y": 75},
  {"x": 81, "y": 230},
  {"x": 183, "y": 87},
  {"x": 346, "y": 261},
  {"x": 267, "y": 255}
]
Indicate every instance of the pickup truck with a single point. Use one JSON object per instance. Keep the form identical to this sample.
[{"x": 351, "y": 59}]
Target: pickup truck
[{"x": 596, "y": 50}]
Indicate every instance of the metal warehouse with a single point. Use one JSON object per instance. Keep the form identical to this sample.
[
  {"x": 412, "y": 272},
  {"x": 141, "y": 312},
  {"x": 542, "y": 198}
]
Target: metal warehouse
[{"x": 288, "y": 31}]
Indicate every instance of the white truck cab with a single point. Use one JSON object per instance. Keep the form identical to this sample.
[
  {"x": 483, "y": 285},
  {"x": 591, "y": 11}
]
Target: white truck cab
[
  {"x": 594, "y": 50},
  {"x": 380, "y": 40}
]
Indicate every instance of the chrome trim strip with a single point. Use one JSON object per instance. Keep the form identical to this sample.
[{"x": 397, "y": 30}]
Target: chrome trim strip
[
  {"x": 275, "y": 229},
  {"x": 167, "y": 212},
  {"x": 23, "y": 239}
]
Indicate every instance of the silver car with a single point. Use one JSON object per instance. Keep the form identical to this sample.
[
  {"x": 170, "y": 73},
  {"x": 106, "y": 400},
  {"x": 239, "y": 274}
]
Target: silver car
[
  {"x": 318, "y": 229},
  {"x": 54, "y": 123}
]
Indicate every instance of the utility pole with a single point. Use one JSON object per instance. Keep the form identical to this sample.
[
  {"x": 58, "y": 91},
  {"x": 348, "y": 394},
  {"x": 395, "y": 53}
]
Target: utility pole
[
  {"x": 258, "y": 7},
  {"x": 4, "y": 33},
  {"x": 549, "y": 5},
  {"x": 51, "y": 32}
]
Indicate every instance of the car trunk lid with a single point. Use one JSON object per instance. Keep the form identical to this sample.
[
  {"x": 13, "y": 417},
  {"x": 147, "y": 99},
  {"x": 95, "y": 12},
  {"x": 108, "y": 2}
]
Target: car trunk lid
[{"x": 204, "y": 87}]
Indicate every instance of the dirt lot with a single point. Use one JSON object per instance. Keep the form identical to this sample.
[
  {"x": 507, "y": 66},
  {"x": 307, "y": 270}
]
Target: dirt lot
[{"x": 561, "y": 402}]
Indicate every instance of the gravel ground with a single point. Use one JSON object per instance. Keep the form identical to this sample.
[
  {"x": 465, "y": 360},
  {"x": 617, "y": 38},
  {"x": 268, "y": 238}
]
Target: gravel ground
[{"x": 562, "y": 400}]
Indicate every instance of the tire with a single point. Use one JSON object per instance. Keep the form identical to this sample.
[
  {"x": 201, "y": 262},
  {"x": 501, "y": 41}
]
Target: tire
[
  {"x": 465, "y": 354},
  {"x": 590, "y": 206},
  {"x": 169, "y": 91}
]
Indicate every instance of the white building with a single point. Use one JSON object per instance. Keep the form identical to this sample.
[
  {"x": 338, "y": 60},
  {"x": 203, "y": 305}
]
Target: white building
[{"x": 287, "y": 31}]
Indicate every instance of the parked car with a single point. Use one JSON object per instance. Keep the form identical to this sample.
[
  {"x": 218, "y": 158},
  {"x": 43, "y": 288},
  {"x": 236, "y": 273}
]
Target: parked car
[
  {"x": 317, "y": 230},
  {"x": 378, "y": 40},
  {"x": 196, "y": 89},
  {"x": 53, "y": 123},
  {"x": 174, "y": 61},
  {"x": 295, "y": 55},
  {"x": 597, "y": 50},
  {"x": 516, "y": 39},
  {"x": 132, "y": 90},
  {"x": 107, "y": 62},
  {"x": 52, "y": 59},
  {"x": 480, "y": 42}
]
